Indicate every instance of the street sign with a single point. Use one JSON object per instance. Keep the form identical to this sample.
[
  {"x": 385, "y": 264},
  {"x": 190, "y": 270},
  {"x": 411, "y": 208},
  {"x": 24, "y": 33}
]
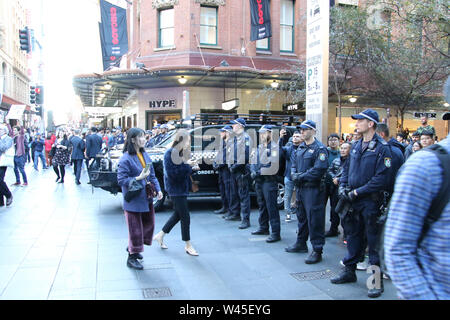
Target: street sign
[
  {"x": 317, "y": 46},
  {"x": 16, "y": 112}
]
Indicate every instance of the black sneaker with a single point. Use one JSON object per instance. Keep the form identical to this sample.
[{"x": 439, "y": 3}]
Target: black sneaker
[
  {"x": 233, "y": 218},
  {"x": 134, "y": 263},
  {"x": 244, "y": 225},
  {"x": 221, "y": 211},
  {"x": 138, "y": 255},
  {"x": 314, "y": 257},
  {"x": 9, "y": 201},
  {"x": 347, "y": 275},
  {"x": 273, "y": 238},
  {"x": 376, "y": 292},
  {"x": 297, "y": 247},
  {"x": 261, "y": 232}
]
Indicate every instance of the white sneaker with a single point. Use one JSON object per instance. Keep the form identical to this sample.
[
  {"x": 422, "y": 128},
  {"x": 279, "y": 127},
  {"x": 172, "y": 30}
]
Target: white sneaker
[
  {"x": 288, "y": 218},
  {"x": 191, "y": 251},
  {"x": 342, "y": 263},
  {"x": 362, "y": 265}
]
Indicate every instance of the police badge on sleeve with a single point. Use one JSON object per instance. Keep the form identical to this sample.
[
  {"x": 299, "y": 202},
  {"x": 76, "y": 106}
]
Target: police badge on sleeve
[
  {"x": 322, "y": 157},
  {"x": 387, "y": 162}
]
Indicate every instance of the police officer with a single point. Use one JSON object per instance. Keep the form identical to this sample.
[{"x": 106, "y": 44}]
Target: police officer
[
  {"x": 364, "y": 177},
  {"x": 309, "y": 166},
  {"x": 220, "y": 164},
  {"x": 238, "y": 164},
  {"x": 163, "y": 134},
  {"x": 264, "y": 169}
]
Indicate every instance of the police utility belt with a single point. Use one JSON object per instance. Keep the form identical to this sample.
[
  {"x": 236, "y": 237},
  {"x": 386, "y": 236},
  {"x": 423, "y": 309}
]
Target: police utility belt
[{"x": 266, "y": 178}]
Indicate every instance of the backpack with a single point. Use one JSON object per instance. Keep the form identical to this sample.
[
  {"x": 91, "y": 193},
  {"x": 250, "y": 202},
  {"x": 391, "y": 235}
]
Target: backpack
[{"x": 437, "y": 205}]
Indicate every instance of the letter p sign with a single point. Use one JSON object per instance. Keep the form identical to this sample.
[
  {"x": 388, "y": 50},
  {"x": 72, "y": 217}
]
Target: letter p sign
[{"x": 310, "y": 72}]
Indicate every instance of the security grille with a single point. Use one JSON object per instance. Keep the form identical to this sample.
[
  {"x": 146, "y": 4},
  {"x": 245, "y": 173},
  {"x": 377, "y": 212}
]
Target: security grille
[
  {"x": 152, "y": 293},
  {"x": 316, "y": 275}
]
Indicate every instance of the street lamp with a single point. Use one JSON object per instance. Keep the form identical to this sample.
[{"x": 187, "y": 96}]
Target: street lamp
[
  {"x": 274, "y": 84},
  {"x": 108, "y": 86},
  {"x": 182, "y": 80},
  {"x": 352, "y": 99}
]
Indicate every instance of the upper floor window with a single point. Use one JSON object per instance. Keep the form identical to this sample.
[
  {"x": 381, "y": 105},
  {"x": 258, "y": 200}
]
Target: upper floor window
[
  {"x": 287, "y": 25},
  {"x": 208, "y": 25},
  {"x": 166, "y": 28},
  {"x": 263, "y": 44}
]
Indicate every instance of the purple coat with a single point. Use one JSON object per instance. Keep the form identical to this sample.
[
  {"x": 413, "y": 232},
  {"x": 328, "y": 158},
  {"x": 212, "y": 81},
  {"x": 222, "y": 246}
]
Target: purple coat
[{"x": 129, "y": 168}]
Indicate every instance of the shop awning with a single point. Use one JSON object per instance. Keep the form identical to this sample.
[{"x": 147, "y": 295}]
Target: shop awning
[
  {"x": 91, "y": 86},
  {"x": 7, "y": 102}
]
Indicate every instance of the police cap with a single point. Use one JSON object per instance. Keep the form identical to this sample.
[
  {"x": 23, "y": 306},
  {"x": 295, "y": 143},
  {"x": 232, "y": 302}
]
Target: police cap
[
  {"x": 240, "y": 121},
  {"x": 307, "y": 124},
  {"x": 368, "y": 114}
]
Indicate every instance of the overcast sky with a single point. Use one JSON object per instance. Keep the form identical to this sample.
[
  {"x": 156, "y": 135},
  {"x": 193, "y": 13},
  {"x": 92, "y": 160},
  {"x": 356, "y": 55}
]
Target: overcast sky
[{"x": 71, "y": 45}]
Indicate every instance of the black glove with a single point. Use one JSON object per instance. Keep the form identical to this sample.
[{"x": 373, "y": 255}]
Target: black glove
[
  {"x": 343, "y": 194},
  {"x": 351, "y": 196},
  {"x": 297, "y": 178}
]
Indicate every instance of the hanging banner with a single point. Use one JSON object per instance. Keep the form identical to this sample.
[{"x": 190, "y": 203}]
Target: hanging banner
[
  {"x": 261, "y": 27},
  {"x": 113, "y": 34}
]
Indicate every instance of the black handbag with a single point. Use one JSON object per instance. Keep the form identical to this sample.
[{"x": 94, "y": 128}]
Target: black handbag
[
  {"x": 52, "y": 152},
  {"x": 134, "y": 189}
]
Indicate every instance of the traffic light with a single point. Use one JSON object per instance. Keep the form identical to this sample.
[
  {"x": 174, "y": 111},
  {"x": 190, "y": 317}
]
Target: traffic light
[
  {"x": 32, "y": 95},
  {"x": 25, "y": 40},
  {"x": 39, "y": 95},
  {"x": 40, "y": 110}
]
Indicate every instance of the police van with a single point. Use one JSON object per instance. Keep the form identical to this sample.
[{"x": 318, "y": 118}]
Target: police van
[{"x": 205, "y": 138}]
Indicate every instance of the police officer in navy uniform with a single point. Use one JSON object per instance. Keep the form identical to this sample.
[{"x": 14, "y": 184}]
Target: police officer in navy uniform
[
  {"x": 309, "y": 166},
  {"x": 365, "y": 176},
  {"x": 238, "y": 164},
  {"x": 264, "y": 169},
  {"x": 220, "y": 164}
]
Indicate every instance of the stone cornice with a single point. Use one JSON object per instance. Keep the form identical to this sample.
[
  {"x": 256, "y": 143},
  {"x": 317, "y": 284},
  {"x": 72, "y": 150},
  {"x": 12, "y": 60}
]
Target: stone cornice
[
  {"x": 160, "y": 4},
  {"x": 211, "y": 2}
]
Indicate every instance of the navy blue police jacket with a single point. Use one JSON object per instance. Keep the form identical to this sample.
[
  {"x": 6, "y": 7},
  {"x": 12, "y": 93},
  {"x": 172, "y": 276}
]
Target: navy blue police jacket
[
  {"x": 311, "y": 161},
  {"x": 239, "y": 155},
  {"x": 266, "y": 160},
  {"x": 369, "y": 171},
  {"x": 221, "y": 158}
]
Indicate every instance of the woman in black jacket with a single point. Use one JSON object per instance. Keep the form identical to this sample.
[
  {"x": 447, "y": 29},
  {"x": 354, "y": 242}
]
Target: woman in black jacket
[
  {"x": 177, "y": 181},
  {"x": 61, "y": 158}
]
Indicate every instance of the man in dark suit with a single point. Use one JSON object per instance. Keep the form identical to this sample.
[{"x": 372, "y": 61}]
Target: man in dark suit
[
  {"x": 93, "y": 147},
  {"x": 78, "y": 147}
]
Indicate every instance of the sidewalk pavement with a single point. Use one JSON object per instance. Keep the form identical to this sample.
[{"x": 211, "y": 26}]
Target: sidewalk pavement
[{"x": 63, "y": 241}]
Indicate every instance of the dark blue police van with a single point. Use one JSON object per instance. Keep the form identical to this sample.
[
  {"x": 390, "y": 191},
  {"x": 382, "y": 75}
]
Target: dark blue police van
[{"x": 205, "y": 137}]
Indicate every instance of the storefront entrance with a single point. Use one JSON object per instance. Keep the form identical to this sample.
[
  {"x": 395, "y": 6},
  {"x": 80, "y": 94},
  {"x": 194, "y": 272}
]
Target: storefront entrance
[{"x": 158, "y": 117}]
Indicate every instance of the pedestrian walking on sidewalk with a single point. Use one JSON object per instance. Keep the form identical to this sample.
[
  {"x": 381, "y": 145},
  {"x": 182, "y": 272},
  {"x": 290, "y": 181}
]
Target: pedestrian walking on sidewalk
[
  {"x": 137, "y": 178},
  {"x": 62, "y": 156},
  {"x": 20, "y": 156},
  {"x": 177, "y": 180},
  {"x": 6, "y": 142}
]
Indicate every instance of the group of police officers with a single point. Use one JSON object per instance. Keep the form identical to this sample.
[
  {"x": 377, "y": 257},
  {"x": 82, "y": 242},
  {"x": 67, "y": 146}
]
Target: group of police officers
[{"x": 364, "y": 179}]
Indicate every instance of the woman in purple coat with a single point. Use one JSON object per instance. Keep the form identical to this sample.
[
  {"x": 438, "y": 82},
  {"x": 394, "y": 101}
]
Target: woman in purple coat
[{"x": 139, "y": 211}]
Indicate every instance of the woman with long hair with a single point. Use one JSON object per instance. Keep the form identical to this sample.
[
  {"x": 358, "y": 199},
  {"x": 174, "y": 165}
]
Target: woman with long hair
[
  {"x": 135, "y": 168},
  {"x": 61, "y": 157},
  {"x": 177, "y": 182},
  {"x": 6, "y": 142}
]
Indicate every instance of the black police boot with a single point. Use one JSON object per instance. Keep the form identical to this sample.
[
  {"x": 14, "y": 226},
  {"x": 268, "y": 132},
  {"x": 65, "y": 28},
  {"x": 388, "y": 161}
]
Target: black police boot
[
  {"x": 261, "y": 232},
  {"x": 138, "y": 255},
  {"x": 314, "y": 257},
  {"x": 347, "y": 275},
  {"x": 133, "y": 262},
  {"x": 233, "y": 218},
  {"x": 273, "y": 238},
  {"x": 376, "y": 292},
  {"x": 220, "y": 211},
  {"x": 297, "y": 247},
  {"x": 331, "y": 233},
  {"x": 244, "y": 224}
]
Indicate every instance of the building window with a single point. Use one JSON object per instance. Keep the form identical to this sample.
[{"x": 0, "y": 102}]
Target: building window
[
  {"x": 263, "y": 44},
  {"x": 166, "y": 28},
  {"x": 208, "y": 25},
  {"x": 287, "y": 26}
]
